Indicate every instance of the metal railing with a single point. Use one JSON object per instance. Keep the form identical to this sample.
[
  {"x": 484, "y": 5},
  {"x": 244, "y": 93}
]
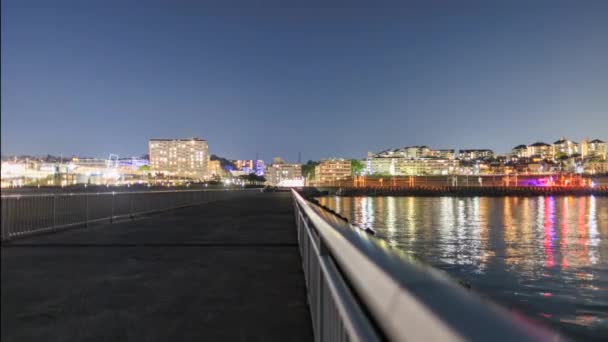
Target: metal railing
[
  {"x": 359, "y": 289},
  {"x": 24, "y": 215}
]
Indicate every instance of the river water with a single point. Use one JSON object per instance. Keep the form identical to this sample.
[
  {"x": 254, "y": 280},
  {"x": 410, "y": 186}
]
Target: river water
[{"x": 546, "y": 257}]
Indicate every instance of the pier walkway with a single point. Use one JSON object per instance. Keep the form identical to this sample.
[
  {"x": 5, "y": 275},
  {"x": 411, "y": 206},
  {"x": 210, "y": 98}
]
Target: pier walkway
[{"x": 228, "y": 270}]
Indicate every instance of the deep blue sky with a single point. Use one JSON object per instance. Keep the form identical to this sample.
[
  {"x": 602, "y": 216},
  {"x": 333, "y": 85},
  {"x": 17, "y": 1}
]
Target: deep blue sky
[{"x": 99, "y": 77}]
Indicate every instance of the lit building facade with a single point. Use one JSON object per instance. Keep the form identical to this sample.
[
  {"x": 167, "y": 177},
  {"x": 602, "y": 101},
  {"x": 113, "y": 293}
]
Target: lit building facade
[
  {"x": 280, "y": 174},
  {"x": 416, "y": 152},
  {"x": 594, "y": 148},
  {"x": 410, "y": 152},
  {"x": 474, "y": 154},
  {"x": 331, "y": 170},
  {"x": 441, "y": 154},
  {"x": 215, "y": 169},
  {"x": 540, "y": 149},
  {"x": 566, "y": 147},
  {"x": 250, "y": 166},
  {"x": 520, "y": 151},
  {"x": 397, "y": 166},
  {"x": 183, "y": 158},
  {"x": 596, "y": 167}
]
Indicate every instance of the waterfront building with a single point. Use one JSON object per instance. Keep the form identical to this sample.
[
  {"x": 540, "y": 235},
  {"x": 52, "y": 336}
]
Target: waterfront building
[
  {"x": 215, "y": 169},
  {"x": 284, "y": 174},
  {"x": 416, "y": 152},
  {"x": 474, "y": 154},
  {"x": 133, "y": 163},
  {"x": 596, "y": 167},
  {"x": 183, "y": 158},
  {"x": 250, "y": 166},
  {"x": 597, "y": 148},
  {"x": 520, "y": 151},
  {"x": 441, "y": 154},
  {"x": 539, "y": 150},
  {"x": 584, "y": 148},
  {"x": 564, "y": 147},
  {"x": 238, "y": 173},
  {"x": 331, "y": 170},
  {"x": 243, "y": 165},
  {"x": 400, "y": 166},
  {"x": 260, "y": 167},
  {"x": 410, "y": 152}
]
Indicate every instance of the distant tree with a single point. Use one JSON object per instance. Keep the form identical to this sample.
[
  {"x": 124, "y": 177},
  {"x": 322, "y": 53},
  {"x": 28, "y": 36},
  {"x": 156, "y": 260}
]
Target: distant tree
[
  {"x": 145, "y": 168},
  {"x": 357, "y": 167},
  {"x": 562, "y": 160},
  {"x": 308, "y": 169},
  {"x": 224, "y": 163}
]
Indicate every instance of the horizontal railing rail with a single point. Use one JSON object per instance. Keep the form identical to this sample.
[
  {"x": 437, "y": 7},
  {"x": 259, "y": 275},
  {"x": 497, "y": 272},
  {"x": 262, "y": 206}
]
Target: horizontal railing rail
[
  {"x": 360, "y": 289},
  {"x": 27, "y": 214}
]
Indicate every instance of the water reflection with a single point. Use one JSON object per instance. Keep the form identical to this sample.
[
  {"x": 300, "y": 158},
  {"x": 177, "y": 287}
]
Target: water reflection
[{"x": 547, "y": 256}]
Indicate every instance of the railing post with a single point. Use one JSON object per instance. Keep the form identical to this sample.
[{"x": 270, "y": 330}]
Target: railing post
[
  {"x": 131, "y": 205},
  {"x": 54, "y": 211},
  {"x": 86, "y": 210},
  {"x": 323, "y": 252},
  {"x": 112, "y": 209},
  {"x": 5, "y": 220},
  {"x": 322, "y": 248}
]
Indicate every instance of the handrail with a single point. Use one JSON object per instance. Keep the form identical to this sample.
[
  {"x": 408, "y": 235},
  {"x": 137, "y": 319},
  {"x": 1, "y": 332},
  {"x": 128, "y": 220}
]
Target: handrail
[
  {"x": 401, "y": 299},
  {"x": 24, "y": 215},
  {"x": 86, "y": 193}
]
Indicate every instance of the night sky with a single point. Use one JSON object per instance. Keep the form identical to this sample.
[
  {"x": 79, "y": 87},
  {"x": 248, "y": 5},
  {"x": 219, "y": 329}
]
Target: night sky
[{"x": 97, "y": 77}]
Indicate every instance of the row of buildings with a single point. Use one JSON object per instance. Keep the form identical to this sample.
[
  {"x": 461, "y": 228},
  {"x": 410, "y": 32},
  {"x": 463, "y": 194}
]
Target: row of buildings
[
  {"x": 46, "y": 172},
  {"x": 189, "y": 160},
  {"x": 562, "y": 156},
  {"x": 562, "y": 148}
]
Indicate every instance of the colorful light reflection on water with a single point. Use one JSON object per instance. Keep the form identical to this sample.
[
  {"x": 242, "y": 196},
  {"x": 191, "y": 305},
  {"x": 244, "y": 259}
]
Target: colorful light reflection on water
[{"x": 544, "y": 256}]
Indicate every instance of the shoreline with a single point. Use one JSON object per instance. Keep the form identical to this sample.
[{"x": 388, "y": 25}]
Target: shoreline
[{"x": 467, "y": 191}]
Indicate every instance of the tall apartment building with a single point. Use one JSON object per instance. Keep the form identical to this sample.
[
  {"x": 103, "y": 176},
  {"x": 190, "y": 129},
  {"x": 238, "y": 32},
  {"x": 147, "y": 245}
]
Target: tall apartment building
[
  {"x": 594, "y": 148},
  {"x": 180, "y": 158},
  {"x": 599, "y": 148},
  {"x": 540, "y": 149},
  {"x": 331, "y": 170},
  {"x": 520, "y": 151},
  {"x": 566, "y": 147},
  {"x": 276, "y": 174}
]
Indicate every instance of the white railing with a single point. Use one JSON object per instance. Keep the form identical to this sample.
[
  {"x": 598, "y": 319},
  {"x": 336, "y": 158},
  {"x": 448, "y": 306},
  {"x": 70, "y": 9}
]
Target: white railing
[
  {"x": 24, "y": 215},
  {"x": 359, "y": 289}
]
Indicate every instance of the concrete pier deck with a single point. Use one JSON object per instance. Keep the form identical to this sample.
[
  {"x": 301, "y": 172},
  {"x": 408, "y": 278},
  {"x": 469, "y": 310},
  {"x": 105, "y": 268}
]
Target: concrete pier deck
[{"x": 222, "y": 271}]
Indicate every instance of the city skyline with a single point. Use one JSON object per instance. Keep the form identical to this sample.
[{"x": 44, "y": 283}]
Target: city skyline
[
  {"x": 280, "y": 81},
  {"x": 457, "y": 151}
]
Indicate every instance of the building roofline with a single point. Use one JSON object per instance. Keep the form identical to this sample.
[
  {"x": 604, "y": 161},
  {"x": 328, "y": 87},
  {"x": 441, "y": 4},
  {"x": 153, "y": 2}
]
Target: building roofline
[{"x": 179, "y": 139}]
